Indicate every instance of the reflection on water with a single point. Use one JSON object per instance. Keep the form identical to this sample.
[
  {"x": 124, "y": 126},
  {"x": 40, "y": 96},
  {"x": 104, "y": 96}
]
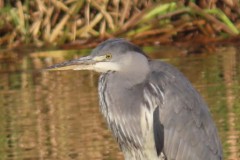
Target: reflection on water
[{"x": 55, "y": 115}]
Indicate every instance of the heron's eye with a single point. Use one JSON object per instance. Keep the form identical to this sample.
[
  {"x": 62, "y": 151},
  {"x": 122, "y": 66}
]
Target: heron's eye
[{"x": 108, "y": 56}]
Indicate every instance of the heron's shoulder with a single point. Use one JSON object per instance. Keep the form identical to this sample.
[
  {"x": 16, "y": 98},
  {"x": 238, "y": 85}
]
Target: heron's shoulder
[
  {"x": 162, "y": 69},
  {"x": 158, "y": 66}
]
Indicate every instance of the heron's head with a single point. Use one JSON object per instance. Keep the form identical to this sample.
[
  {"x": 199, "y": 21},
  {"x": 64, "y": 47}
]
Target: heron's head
[{"x": 115, "y": 55}]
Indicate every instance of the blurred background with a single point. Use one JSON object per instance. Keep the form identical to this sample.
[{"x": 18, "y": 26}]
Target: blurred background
[{"x": 55, "y": 115}]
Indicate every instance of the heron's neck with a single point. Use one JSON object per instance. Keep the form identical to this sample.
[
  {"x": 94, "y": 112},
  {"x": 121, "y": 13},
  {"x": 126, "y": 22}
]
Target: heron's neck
[
  {"x": 135, "y": 72},
  {"x": 129, "y": 80}
]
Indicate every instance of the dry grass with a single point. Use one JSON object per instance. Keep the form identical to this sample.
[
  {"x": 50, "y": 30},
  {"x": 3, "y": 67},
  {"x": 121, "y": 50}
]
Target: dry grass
[{"x": 56, "y": 22}]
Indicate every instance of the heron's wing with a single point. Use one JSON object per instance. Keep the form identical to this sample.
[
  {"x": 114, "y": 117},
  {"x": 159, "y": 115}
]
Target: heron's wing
[{"x": 188, "y": 130}]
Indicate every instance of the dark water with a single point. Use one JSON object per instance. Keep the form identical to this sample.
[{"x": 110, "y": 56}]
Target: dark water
[{"x": 55, "y": 115}]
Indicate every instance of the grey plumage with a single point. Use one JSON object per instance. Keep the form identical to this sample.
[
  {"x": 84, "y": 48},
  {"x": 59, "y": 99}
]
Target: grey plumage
[{"x": 151, "y": 108}]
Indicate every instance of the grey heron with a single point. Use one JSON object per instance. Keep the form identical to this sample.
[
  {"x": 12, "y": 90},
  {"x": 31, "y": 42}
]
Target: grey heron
[{"x": 152, "y": 110}]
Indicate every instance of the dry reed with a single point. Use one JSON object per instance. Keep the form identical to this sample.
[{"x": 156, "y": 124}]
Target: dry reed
[{"x": 56, "y": 22}]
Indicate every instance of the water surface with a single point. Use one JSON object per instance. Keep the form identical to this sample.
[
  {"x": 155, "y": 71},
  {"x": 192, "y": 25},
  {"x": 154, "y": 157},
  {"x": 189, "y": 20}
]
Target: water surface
[{"x": 55, "y": 115}]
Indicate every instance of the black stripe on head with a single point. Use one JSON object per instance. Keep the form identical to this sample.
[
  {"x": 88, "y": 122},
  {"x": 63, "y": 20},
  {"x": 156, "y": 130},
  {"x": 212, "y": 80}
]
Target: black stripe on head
[{"x": 118, "y": 45}]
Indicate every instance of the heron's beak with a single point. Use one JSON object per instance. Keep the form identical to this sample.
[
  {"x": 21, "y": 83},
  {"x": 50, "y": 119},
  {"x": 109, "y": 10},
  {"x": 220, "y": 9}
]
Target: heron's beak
[{"x": 84, "y": 63}]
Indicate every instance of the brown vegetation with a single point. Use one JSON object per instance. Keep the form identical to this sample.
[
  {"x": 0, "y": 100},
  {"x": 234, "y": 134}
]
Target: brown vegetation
[{"x": 57, "y": 22}]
